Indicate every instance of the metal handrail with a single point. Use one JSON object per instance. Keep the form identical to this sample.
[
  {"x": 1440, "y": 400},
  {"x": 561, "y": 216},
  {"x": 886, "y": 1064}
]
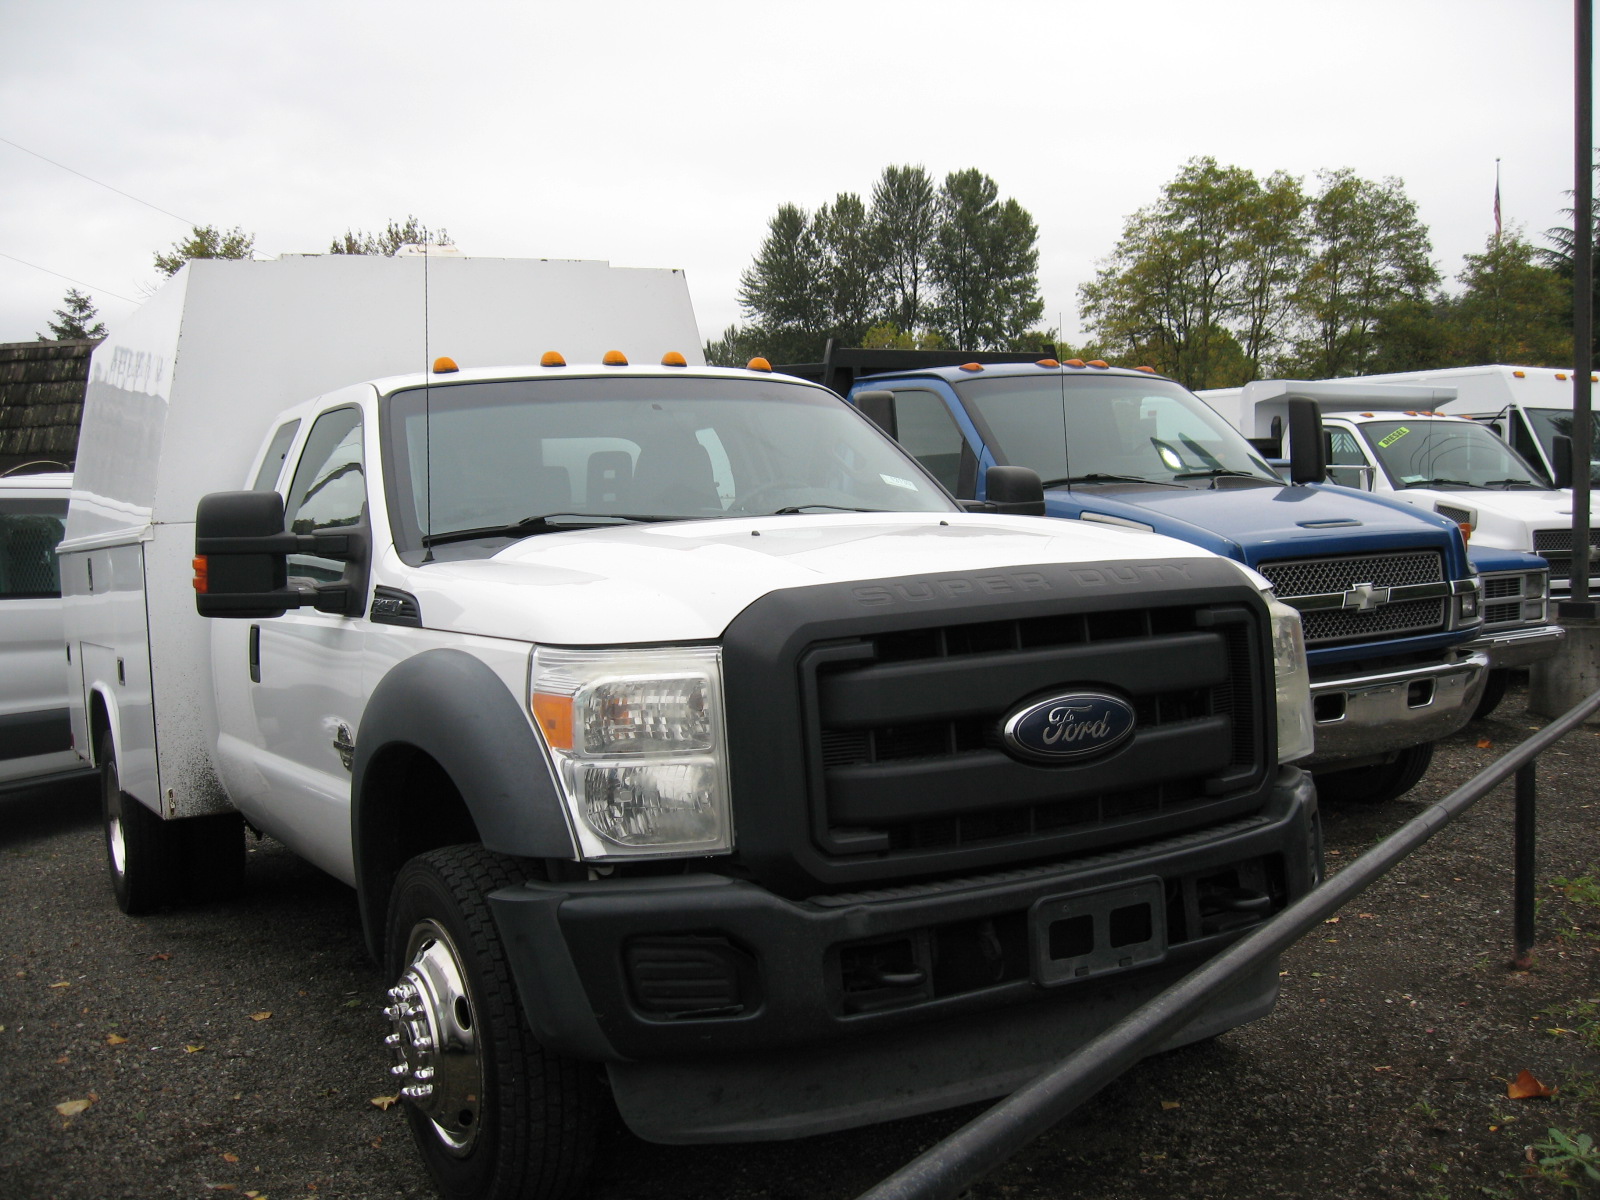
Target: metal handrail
[{"x": 948, "y": 1168}]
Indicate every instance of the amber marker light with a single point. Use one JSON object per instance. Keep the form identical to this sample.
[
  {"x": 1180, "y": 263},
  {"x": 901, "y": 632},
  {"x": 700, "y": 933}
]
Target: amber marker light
[
  {"x": 552, "y": 358},
  {"x": 202, "y": 574},
  {"x": 1074, "y": 362},
  {"x": 1561, "y": 376},
  {"x": 554, "y": 714},
  {"x": 673, "y": 359},
  {"x": 972, "y": 366},
  {"x": 443, "y": 365},
  {"x": 1520, "y": 374},
  {"x": 1099, "y": 364},
  {"x": 758, "y": 364},
  {"x": 615, "y": 358},
  {"x": 1146, "y": 370},
  {"x": 1047, "y": 362}
]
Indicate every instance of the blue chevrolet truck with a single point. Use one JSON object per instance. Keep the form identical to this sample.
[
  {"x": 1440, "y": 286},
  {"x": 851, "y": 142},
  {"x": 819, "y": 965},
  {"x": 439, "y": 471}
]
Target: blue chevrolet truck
[{"x": 1390, "y": 602}]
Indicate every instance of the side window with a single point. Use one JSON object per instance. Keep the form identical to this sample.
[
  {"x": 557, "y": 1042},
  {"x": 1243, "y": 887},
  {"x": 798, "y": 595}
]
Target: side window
[
  {"x": 930, "y": 435},
  {"x": 329, "y": 488},
  {"x": 1346, "y": 453},
  {"x": 272, "y": 464},
  {"x": 1522, "y": 440},
  {"x": 29, "y": 531}
]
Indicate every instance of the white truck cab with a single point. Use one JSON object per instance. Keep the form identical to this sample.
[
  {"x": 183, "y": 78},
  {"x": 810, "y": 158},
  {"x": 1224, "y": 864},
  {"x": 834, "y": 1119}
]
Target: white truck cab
[{"x": 670, "y": 722}]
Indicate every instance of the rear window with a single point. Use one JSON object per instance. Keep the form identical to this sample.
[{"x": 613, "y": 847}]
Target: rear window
[{"x": 29, "y": 532}]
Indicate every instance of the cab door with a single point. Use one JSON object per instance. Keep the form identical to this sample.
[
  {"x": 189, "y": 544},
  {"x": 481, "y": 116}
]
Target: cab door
[{"x": 303, "y": 670}]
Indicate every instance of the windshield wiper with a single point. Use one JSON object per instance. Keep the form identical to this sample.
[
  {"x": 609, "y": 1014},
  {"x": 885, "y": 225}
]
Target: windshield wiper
[
  {"x": 803, "y": 508},
  {"x": 1219, "y": 472},
  {"x": 1411, "y": 483},
  {"x": 1102, "y": 477},
  {"x": 543, "y": 523},
  {"x": 1507, "y": 484}
]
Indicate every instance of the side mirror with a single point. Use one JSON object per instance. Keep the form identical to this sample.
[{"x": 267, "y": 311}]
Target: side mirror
[
  {"x": 241, "y": 559},
  {"x": 878, "y": 407},
  {"x": 1308, "y": 449},
  {"x": 1561, "y": 459},
  {"x": 1015, "y": 490}
]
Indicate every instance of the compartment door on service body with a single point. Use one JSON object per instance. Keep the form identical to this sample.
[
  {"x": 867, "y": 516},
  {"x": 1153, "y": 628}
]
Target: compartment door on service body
[{"x": 307, "y": 701}]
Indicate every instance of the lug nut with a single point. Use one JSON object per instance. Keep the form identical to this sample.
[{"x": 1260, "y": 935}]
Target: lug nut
[
  {"x": 393, "y": 1039},
  {"x": 423, "y": 1074},
  {"x": 420, "y": 1091},
  {"x": 400, "y": 1069}
]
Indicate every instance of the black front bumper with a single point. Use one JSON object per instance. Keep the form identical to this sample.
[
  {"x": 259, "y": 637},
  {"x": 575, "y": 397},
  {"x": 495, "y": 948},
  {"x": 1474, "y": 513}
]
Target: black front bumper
[{"x": 595, "y": 962}]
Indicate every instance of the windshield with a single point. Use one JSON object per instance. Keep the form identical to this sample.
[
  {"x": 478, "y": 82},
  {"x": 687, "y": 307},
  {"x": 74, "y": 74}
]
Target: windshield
[
  {"x": 1547, "y": 423},
  {"x": 1107, "y": 429},
  {"x": 1433, "y": 453},
  {"x": 583, "y": 451}
]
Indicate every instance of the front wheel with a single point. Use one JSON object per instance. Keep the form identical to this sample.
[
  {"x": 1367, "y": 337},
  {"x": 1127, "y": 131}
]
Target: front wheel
[
  {"x": 494, "y": 1116},
  {"x": 1379, "y": 784},
  {"x": 1494, "y": 691}
]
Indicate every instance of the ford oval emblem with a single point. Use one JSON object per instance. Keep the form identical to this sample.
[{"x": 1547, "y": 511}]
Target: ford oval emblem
[{"x": 1074, "y": 725}]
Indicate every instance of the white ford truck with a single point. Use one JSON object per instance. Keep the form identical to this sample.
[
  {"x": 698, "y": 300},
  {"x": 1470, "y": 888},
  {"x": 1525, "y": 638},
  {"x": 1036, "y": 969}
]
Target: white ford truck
[{"x": 674, "y": 727}]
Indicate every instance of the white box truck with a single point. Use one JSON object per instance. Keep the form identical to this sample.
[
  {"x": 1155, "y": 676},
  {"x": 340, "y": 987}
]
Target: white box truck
[{"x": 673, "y": 726}]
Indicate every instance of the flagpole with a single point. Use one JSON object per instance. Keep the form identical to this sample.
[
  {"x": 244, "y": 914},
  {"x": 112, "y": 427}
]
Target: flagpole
[{"x": 1497, "y": 203}]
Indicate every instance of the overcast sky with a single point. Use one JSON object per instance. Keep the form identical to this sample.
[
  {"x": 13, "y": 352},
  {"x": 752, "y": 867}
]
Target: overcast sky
[{"x": 666, "y": 135}]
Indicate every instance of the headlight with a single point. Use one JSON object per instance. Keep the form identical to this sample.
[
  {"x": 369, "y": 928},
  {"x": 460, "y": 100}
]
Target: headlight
[
  {"x": 637, "y": 737},
  {"x": 1296, "y": 733}
]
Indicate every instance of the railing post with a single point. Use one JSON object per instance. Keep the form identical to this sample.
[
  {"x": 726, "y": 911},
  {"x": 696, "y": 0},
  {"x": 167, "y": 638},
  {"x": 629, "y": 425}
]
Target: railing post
[{"x": 1522, "y": 852}]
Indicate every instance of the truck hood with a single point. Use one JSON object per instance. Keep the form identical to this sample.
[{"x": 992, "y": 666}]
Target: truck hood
[
  {"x": 1255, "y": 524},
  {"x": 1504, "y": 519},
  {"x": 685, "y": 581}
]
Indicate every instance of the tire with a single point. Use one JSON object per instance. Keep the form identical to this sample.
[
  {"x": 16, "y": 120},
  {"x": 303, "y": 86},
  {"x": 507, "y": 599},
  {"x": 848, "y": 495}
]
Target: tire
[
  {"x": 493, "y": 1115},
  {"x": 1494, "y": 691},
  {"x": 142, "y": 850},
  {"x": 1379, "y": 784}
]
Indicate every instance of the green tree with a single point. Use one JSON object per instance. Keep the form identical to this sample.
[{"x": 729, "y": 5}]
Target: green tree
[
  {"x": 736, "y": 347},
  {"x": 1200, "y": 283},
  {"x": 1559, "y": 256},
  {"x": 852, "y": 288},
  {"x": 1512, "y": 309},
  {"x": 74, "y": 319},
  {"x": 410, "y": 232},
  {"x": 905, "y": 221},
  {"x": 1371, "y": 258},
  {"x": 206, "y": 241},
  {"x": 985, "y": 264},
  {"x": 782, "y": 291}
]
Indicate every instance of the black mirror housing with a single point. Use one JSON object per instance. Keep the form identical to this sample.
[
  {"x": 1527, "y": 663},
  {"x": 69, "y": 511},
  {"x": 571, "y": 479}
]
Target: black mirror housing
[
  {"x": 1015, "y": 490},
  {"x": 241, "y": 559},
  {"x": 1561, "y": 459},
  {"x": 1308, "y": 448},
  {"x": 878, "y": 407}
]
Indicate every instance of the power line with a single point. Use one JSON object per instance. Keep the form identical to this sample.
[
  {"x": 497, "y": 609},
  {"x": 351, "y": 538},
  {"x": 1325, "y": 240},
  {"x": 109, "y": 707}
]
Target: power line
[
  {"x": 68, "y": 278},
  {"x": 107, "y": 186}
]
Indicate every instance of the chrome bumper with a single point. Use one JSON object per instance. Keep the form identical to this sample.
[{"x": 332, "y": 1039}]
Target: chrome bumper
[
  {"x": 1519, "y": 647},
  {"x": 1365, "y": 717}
]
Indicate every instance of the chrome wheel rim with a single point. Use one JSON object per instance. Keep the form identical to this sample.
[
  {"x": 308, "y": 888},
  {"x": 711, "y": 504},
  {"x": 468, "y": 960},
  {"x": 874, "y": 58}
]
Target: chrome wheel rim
[
  {"x": 116, "y": 842},
  {"x": 434, "y": 1038}
]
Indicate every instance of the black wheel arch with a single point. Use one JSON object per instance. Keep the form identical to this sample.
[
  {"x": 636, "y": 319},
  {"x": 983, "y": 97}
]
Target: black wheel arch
[{"x": 446, "y": 755}]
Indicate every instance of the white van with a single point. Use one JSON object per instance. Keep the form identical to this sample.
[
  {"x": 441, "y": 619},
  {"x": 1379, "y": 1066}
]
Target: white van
[{"x": 35, "y": 733}]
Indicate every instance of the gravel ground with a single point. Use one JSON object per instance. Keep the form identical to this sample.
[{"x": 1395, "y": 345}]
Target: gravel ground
[{"x": 236, "y": 1048}]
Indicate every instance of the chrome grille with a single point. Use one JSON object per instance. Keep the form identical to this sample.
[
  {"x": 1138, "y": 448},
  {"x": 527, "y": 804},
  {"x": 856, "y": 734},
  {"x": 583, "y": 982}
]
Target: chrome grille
[
  {"x": 1502, "y": 614},
  {"x": 1319, "y": 576},
  {"x": 1459, "y": 515},
  {"x": 1496, "y": 587},
  {"x": 1559, "y": 540},
  {"x": 1338, "y": 624}
]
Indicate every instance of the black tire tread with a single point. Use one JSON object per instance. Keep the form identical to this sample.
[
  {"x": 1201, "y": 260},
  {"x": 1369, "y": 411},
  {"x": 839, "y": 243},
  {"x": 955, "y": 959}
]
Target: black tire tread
[
  {"x": 551, "y": 1150},
  {"x": 1379, "y": 784}
]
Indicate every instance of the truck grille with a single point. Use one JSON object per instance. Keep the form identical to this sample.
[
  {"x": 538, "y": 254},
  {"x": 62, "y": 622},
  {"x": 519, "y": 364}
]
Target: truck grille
[
  {"x": 1555, "y": 547},
  {"x": 891, "y": 776},
  {"x": 1296, "y": 578}
]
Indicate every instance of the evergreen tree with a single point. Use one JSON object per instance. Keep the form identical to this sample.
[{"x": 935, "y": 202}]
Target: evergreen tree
[
  {"x": 985, "y": 265},
  {"x": 1513, "y": 310},
  {"x": 206, "y": 242},
  {"x": 410, "y": 232},
  {"x": 74, "y": 319},
  {"x": 905, "y": 220}
]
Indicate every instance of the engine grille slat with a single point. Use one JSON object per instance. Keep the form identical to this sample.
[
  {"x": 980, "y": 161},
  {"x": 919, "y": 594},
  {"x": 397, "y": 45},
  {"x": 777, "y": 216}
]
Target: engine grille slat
[{"x": 1293, "y": 578}]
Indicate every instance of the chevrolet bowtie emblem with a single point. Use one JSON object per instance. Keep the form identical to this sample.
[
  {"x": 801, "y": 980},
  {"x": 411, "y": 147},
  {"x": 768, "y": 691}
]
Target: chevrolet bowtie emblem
[{"x": 1363, "y": 597}]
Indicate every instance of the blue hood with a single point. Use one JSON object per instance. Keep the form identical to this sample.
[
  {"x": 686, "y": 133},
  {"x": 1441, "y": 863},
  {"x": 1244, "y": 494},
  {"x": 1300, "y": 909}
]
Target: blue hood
[{"x": 1253, "y": 524}]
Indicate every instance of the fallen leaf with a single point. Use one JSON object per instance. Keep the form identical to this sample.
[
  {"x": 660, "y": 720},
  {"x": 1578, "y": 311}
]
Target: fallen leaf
[
  {"x": 61, "y": 1060},
  {"x": 260, "y": 1016},
  {"x": 230, "y": 1157},
  {"x": 375, "y": 1142},
  {"x": 1526, "y": 1087},
  {"x": 160, "y": 957},
  {"x": 1368, "y": 916},
  {"x": 385, "y": 1102},
  {"x": 63, "y": 983},
  {"x": 115, "y": 1039},
  {"x": 71, "y": 1108},
  {"x": 354, "y": 1003},
  {"x": 1383, "y": 1068},
  {"x": 193, "y": 1049},
  {"x": 1331, "y": 921},
  {"x": 1484, "y": 743},
  {"x": 1169, "y": 1105}
]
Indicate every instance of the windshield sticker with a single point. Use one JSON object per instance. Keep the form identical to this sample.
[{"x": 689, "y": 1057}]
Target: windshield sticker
[
  {"x": 892, "y": 481},
  {"x": 1394, "y": 437}
]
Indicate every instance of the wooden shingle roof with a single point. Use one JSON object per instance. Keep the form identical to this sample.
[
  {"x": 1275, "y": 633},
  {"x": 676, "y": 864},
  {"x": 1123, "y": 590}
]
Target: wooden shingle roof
[{"x": 41, "y": 401}]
